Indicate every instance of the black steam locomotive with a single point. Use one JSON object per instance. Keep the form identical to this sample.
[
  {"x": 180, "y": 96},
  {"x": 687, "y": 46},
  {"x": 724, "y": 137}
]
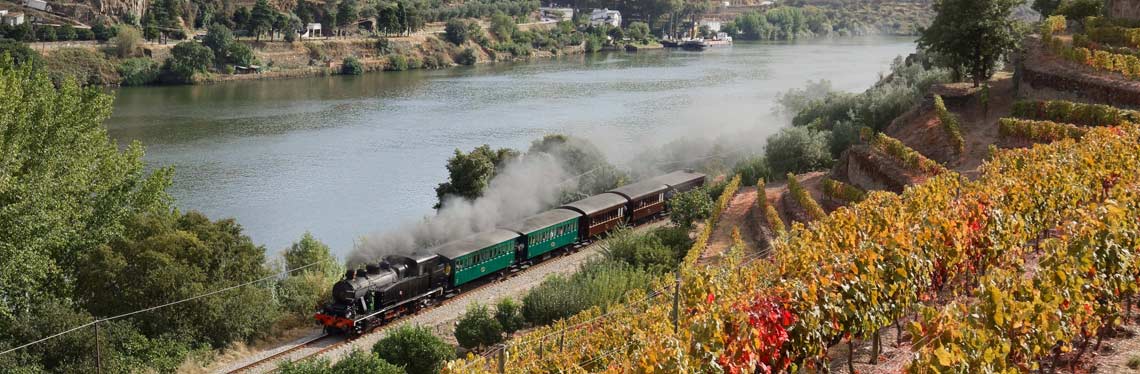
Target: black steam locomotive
[{"x": 400, "y": 285}]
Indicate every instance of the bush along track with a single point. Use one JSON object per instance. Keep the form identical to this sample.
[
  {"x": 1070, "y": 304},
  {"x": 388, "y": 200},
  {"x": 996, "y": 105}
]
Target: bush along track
[
  {"x": 1038, "y": 131},
  {"x": 861, "y": 269}
]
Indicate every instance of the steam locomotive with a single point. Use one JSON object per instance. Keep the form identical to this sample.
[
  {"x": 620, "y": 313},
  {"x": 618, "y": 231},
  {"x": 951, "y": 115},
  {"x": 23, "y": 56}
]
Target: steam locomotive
[{"x": 399, "y": 285}]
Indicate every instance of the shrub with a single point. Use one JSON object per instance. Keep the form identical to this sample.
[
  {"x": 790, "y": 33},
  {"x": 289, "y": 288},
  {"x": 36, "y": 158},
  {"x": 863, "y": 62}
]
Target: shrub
[
  {"x": 503, "y": 26},
  {"x": 593, "y": 44},
  {"x": 397, "y": 62},
  {"x": 1079, "y": 9},
  {"x": 642, "y": 251},
  {"x": 752, "y": 169},
  {"x": 415, "y": 62},
  {"x": 84, "y": 34},
  {"x": 509, "y": 314},
  {"x": 104, "y": 33},
  {"x": 797, "y": 150},
  {"x": 476, "y": 328},
  {"x": 1134, "y": 362},
  {"x": 467, "y": 57},
  {"x": 597, "y": 283},
  {"x": 239, "y": 53},
  {"x": 138, "y": 71},
  {"x": 456, "y": 31},
  {"x": 66, "y": 32},
  {"x": 690, "y": 206},
  {"x": 415, "y": 348},
  {"x": 351, "y": 66},
  {"x": 128, "y": 42},
  {"x": 949, "y": 125},
  {"x": 639, "y": 31},
  {"x": 316, "y": 51},
  {"x": 355, "y": 363}
]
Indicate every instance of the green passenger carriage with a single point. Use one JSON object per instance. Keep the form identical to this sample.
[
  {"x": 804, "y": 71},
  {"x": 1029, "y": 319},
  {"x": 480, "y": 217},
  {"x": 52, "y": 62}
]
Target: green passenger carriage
[
  {"x": 546, "y": 232},
  {"x": 478, "y": 255}
]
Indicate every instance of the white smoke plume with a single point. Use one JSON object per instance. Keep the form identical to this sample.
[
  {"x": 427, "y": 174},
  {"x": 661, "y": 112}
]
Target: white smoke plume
[{"x": 523, "y": 187}]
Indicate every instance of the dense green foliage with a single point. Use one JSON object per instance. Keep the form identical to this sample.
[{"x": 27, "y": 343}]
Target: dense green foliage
[
  {"x": 690, "y": 206},
  {"x": 477, "y": 328},
  {"x": 470, "y": 173},
  {"x": 971, "y": 35},
  {"x": 509, "y": 314},
  {"x": 19, "y": 53},
  {"x": 186, "y": 60},
  {"x": 89, "y": 233},
  {"x": 351, "y": 66},
  {"x": 457, "y": 31},
  {"x": 357, "y": 362},
  {"x": 798, "y": 149},
  {"x": 138, "y": 71},
  {"x": 303, "y": 290},
  {"x": 631, "y": 261},
  {"x": 415, "y": 348},
  {"x": 467, "y": 57}
]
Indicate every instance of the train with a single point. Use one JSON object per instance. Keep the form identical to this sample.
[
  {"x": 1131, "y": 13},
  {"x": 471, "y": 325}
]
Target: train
[{"x": 403, "y": 284}]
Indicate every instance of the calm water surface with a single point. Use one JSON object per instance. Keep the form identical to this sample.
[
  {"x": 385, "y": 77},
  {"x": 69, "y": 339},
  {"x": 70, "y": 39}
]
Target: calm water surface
[{"x": 346, "y": 156}]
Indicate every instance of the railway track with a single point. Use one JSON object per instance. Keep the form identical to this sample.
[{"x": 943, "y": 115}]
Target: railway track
[{"x": 268, "y": 363}]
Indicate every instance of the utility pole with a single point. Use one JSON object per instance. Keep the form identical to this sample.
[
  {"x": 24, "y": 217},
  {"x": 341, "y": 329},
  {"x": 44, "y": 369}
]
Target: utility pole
[
  {"x": 677, "y": 303},
  {"x": 98, "y": 350}
]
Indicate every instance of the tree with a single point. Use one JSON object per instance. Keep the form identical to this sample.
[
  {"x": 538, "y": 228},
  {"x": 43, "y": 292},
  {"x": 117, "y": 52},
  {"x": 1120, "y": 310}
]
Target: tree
[
  {"x": 477, "y": 329},
  {"x": 346, "y": 15},
  {"x": 20, "y": 53},
  {"x": 68, "y": 187},
  {"x": 797, "y": 150},
  {"x": 469, "y": 173},
  {"x": 509, "y": 314},
  {"x": 503, "y": 26},
  {"x": 690, "y": 206},
  {"x": 581, "y": 158},
  {"x": 456, "y": 31},
  {"x": 1080, "y": 9},
  {"x": 187, "y": 59},
  {"x": 104, "y": 33},
  {"x": 242, "y": 18},
  {"x": 467, "y": 57},
  {"x": 639, "y": 31},
  {"x": 971, "y": 34},
  {"x": 239, "y": 53},
  {"x": 304, "y": 289},
  {"x": 66, "y": 32},
  {"x": 261, "y": 18},
  {"x": 138, "y": 71},
  {"x": 415, "y": 348},
  {"x": 1046, "y": 7},
  {"x": 218, "y": 38},
  {"x": 168, "y": 256}
]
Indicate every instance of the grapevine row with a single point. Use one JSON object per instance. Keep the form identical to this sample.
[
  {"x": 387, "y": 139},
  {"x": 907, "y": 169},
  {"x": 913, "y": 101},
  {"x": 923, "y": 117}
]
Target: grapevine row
[
  {"x": 1126, "y": 64},
  {"x": 1075, "y": 113},
  {"x": 710, "y": 224},
  {"x": 862, "y": 269},
  {"x": 771, "y": 216},
  {"x": 949, "y": 125},
  {"x": 803, "y": 199},
  {"x": 1038, "y": 131},
  {"x": 842, "y": 191},
  {"x": 907, "y": 156}
]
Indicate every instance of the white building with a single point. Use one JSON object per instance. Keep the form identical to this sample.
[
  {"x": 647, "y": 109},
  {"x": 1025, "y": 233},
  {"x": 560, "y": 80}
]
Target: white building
[
  {"x": 312, "y": 30},
  {"x": 605, "y": 16},
  {"x": 11, "y": 18},
  {"x": 713, "y": 25},
  {"x": 38, "y": 5}
]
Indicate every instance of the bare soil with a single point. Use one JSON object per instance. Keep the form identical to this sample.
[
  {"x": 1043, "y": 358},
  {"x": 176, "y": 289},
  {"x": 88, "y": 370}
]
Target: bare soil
[{"x": 737, "y": 215}]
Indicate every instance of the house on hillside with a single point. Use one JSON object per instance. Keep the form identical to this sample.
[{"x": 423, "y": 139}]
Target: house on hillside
[
  {"x": 11, "y": 19},
  {"x": 605, "y": 17},
  {"x": 38, "y": 5},
  {"x": 312, "y": 30}
]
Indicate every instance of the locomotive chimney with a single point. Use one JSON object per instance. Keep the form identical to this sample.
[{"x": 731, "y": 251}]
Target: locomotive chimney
[
  {"x": 361, "y": 273},
  {"x": 372, "y": 269},
  {"x": 349, "y": 275}
]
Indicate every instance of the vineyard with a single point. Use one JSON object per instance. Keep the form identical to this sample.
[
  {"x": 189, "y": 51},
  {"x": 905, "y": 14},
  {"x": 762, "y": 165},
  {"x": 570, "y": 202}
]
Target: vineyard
[
  {"x": 771, "y": 216},
  {"x": 1091, "y": 54},
  {"x": 1074, "y": 113},
  {"x": 1044, "y": 242},
  {"x": 903, "y": 154},
  {"x": 949, "y": 125},
  {"x": 1038, "y": 131},
  {"x": 840, "y": 191},
  {"x": 803, "y": 200}
]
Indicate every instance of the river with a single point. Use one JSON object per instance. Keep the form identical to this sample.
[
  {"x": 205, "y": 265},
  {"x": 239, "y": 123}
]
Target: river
[{"x": 346, "y": 156}]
